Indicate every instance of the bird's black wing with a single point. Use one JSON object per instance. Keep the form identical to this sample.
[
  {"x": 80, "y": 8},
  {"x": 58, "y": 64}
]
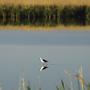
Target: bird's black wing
[{"x": 45, "y": 60}]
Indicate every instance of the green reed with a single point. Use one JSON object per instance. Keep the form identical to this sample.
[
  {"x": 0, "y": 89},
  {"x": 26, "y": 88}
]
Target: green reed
[{"x": 44, "y": 15}]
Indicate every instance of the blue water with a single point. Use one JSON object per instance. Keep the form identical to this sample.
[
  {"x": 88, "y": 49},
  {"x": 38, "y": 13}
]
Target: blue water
[
  {"x": 65, "y": 50},
  {"x": 45, "y": 38}
]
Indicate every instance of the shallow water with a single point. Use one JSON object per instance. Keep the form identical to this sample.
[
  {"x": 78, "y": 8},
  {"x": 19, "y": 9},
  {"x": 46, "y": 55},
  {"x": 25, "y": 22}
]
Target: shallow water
[{"x": 22, "y": 50}]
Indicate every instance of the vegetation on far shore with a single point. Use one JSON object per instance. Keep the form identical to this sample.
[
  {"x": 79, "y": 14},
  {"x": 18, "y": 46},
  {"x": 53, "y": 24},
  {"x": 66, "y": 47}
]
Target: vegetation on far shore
[
  {"x": 47, "y": 16},
  {"x": 44, "y": 15}
]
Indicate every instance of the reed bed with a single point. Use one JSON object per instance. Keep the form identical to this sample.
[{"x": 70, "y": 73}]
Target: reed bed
[{"x": 50, "y": 15}]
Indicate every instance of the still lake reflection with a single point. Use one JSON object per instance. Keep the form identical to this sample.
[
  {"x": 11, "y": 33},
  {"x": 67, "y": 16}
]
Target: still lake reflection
[{"x": 67, "y": 51}]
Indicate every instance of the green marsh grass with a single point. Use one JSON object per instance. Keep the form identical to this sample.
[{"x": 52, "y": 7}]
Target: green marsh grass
[{"x": 50, "y": 15}]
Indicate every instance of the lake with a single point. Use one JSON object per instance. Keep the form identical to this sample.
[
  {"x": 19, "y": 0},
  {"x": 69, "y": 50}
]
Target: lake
[{"x": 21, "y": 51}]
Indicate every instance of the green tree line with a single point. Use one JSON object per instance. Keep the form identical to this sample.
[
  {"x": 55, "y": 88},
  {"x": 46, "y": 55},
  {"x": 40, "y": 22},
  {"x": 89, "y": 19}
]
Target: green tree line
[{"x": 44, "y": 15}]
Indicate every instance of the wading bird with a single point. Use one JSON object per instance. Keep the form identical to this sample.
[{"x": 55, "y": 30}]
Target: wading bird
[
  {"x": 43, "y": 60},
  {"x": 44, "y": 64}
]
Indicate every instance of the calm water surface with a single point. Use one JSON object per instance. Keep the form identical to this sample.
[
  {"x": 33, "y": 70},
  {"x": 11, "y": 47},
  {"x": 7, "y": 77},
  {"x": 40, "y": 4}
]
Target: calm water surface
[{"x": 22, "y": 50}]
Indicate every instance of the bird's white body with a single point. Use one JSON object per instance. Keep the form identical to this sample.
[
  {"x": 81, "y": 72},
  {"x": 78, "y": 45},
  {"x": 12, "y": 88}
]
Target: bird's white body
[{"x": 41, "y": 60}]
